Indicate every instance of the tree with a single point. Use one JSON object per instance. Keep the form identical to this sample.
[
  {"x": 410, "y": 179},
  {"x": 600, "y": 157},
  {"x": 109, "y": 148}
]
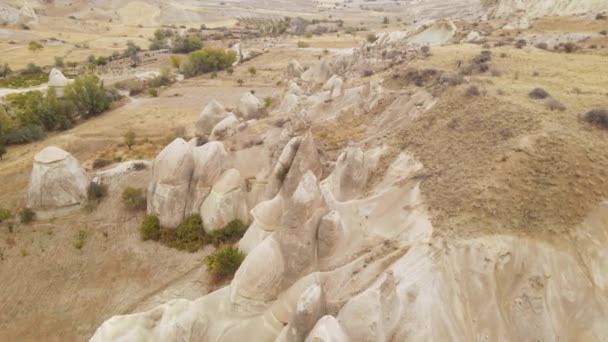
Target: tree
[
  {"x": 131, "y": 53},
  {"x": 208, "y": 59},
  {"x": 130, "y": 139},
  {"x": 186, "y": 44},
  {"x": 88, "y": 95},
  {"x": 2, "y": 151},
  {"x": 34, "y": 46}
]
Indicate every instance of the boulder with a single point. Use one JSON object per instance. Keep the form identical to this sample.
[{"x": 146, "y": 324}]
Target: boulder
[
  {"x": 225, "y": 128},
  {"x": 213, "y": 114},
  {"x": 168, "y": 190},
  {"x": 57, "y": 181},
  {"x": 319, "y": 74},
  {"x": 210, "y": 162},
  {"x": 226, "y": 202},
  {"x": 327, "y": 329},
  {"x": 58, "y": 81},
  {"x": 289, "y": 104},
  {"x": 294, "y": 69},
  {"x": 334, "y": 86},
  {"x": 250, "y": 107}
]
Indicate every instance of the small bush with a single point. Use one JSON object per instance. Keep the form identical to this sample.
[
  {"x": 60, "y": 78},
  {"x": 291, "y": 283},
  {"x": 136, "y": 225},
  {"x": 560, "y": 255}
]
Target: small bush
[
  {"x": 96, "y": 191},
  {"x": 2, "y": 151},
  {"x": 188, "y": 236},
  {"x": 5, "y": 214},
  {"x": 100, "y": 163},
  {"x": 601, "y": 16},
  {"x": 520, "y": 43},
  {"x": 24, "y": 135},
  {"x": 150, "y": 228},
  {"x": 542, "y": 46},
  {"x": 224, "y": 263},
  {"x": 129, "y": 139},
  {"x": 252, "y": 70},
  {"x": 371, "y": 38},
  {"x": 80, "y": 238},
  {"x": 27, "y": 216},
  {"x": 302, "y": 44},
  {"x": 538, "y": 94},
  {"x": 598, "y": 117},
  {"x": 175, "y": 61},
  {"x": 472, "y": 91},
  {"x": 553, "y": 104},
  {"x": 267, "y": 102},
  {"x": 59, "y": 62},
  {"x": 230, "y": 234},
  {"x": 153, "y": 92},
  {"x": 570, "y": 47},
  {"x": 134, "y": 199}
]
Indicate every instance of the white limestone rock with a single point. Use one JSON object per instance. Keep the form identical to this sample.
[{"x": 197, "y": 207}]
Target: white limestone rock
[
  {"x": 294, "y": 69},
  {"x": 225, "y": 128},
  {"x": 213, "y": 114},
  {"x": 57, "y": 181},
  {"x": 168, "y": 190},
  {"x": 327, "y": 329},
  {"x": 319, "y": 74},
  {"x": 226, "y": 202},
  {"x": 210, "y": 162},
  {"x": 250, "y": 107}
]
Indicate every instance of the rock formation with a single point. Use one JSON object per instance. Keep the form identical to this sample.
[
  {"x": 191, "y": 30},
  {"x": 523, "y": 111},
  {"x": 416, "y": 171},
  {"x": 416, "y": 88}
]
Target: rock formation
[
  {"x": 294, "y": 69},
  {"x": 168, "y": 191},
  {"x": 318, "y": 74},
  {"x": 213, "y": 114},
  {"x": 226, "y": 202},
  {"x": 57, "y": 181},
  {"x": 250, "y": 107},
  {"x": 58, "y": 81}
]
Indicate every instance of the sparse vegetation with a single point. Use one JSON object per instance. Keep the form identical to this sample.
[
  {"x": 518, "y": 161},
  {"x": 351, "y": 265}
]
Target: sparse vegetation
[
  {"x": 34, "y": 46},
  {"x": 150, "y": 228},
  {"x": 597, "y": 117},
  {"x": 252, "y": 70},
  {"x": 88, "y": 95},
  {"x": 5, "y": 214},
  {"x": 175, "y": 61},
  {"x": 100, "y": 163},
  {"x": 521, "y": 43},
  {"x": 267, "y": 102},
  {"x": 2, "y": 151},
  {"x": 224, "y": 263},
  {"x": 302, "y": 44},
  {"x": 229, "y": 234},
  {"x": 553, "y": 104},
  {"x": 371, "y": 38},
  {"x": 27, "y": 216},
  {"x": 80, "y": 238},
  {"x": 538, "y": 94},
  {"x": 188, "y": 236},
  {"x": 473, "y": 90},
  {"x": 134, "y": 199},
  {"x": 153, "y": 92}
]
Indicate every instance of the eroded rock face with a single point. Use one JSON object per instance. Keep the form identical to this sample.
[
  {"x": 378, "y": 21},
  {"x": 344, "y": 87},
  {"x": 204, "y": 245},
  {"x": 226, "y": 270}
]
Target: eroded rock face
[
  {"x": 210, "y": 162},
  {"x": 318, "y": 74},
  {"x": 250, "y": 107},
  {"x": 294, "y": 69},
  {"x": 226, "y": 202},
  {"x": 168, "y": 191},
  {"x": 213, "y": 114},
  {"x": 57, "y": 181},
  {"x": 225, "y": 128}
]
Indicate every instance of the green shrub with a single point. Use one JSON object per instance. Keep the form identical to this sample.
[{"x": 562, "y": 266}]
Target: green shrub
[
  {"x": 186, "y": 44},
  {"x": 302, "y": 44},
  {"x": 101, "y": 60},
  {"x": 88, "y": 95},
  {"x": 188, "y": 236},
  {"x": 153, "y": 92},
  {"x": 207, "y": 60},
  {"x": 27, "y": 215},
  {"x": 267, "y": 102},
  {"x": 25, "y": 135},
  {"x": 5, "y": 70},
  {"x": 252, "y": 70},
  {"x": 129, "y": 138},
  {"x": 5, "y": 214},
  {"x": 229, "y": 234},
  {"x": 34, "y": 46},
  {"x": 150, "y": 228},
  {"x": 59, "y": 62},
  {"x": 80, "y": 238},
  {"x": 224, "y": 263},
  {"x": 2, "y": 151},
  {"x": 134, "y": 199}
]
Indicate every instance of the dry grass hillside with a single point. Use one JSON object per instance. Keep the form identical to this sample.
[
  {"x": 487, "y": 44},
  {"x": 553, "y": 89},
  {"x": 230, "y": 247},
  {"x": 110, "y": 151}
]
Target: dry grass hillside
[{"x": 494, "y": 160}]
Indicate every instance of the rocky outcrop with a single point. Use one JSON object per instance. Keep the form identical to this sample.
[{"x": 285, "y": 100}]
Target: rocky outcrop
[
  {"x": 226, "y": 202},
  {"x": 171, "y": 175},
  {"x": 250, "y": 107},
  {"x": 294, "y": 69},
  {"x": 318, "y": 74},
  {"x": 213, "y": 114},
  {"x": 58, "y": 81},
  {"x": 334, "y": 86},
  {"x": 225, "y": 128},
  {"x": 58, "y": 181},
  {"x": 210, "y": 162}
]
